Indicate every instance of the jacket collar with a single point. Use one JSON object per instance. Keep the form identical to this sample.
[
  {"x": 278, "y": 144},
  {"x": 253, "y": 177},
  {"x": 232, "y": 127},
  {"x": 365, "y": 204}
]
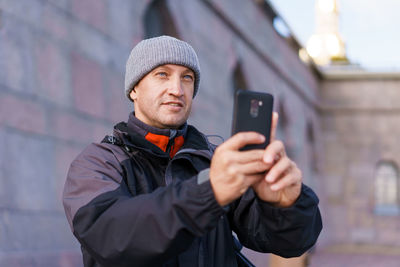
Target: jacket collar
[
  {"x": 133, "y": 134},
  {"x": 169, "y": 141},
  {"x": 143, "y": 129}
]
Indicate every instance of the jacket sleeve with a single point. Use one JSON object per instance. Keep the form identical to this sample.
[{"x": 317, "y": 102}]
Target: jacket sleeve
[
  {"x": 287, "y": 232},
  {"x": 117, "y": 228}
]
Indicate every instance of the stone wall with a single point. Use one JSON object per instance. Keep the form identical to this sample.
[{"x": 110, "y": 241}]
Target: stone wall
[
  {"x": 61, "y": 87},
  {"x": 360, "y": 127}
]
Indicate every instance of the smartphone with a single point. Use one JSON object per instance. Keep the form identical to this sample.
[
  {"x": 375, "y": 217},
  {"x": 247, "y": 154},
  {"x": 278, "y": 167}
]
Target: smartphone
[{"x": 252, "y": 111}]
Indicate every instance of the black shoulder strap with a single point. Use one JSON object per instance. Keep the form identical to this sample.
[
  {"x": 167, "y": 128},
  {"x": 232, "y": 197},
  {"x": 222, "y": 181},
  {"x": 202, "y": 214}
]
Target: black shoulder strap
[{"x": 110, "y": 139}]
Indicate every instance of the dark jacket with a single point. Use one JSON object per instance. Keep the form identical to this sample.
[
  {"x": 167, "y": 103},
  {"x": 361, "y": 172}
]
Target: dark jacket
[{"x": 130, "y": 204}]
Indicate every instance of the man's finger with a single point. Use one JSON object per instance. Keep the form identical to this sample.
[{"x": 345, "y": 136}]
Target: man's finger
[
  {"x": 252, "y": 179},
  {"x": 274, "y": 125},
  {"x": 286, "y": 181},
  {"x": 255, "y": 167},
  {"x": 281, "y": 167},
  {"x": 248, "y": 156},
  {"x": 274, "y": 150},
  {"x": 242, "y": 139}
]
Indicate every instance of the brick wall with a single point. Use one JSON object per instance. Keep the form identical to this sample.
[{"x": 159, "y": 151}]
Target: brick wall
[{"x": 61, "y": 87}]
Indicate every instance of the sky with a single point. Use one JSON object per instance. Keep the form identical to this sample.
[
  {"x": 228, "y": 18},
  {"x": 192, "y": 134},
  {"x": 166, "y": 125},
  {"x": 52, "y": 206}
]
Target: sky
[{"x": 370, "y": 29}]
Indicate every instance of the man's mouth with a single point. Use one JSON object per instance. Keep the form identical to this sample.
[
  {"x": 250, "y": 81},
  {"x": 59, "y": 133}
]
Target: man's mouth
[{"x": 174, "y": 104}]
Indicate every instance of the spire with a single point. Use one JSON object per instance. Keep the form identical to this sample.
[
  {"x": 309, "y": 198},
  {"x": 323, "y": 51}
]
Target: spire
[{"x": 326, "y": 46}]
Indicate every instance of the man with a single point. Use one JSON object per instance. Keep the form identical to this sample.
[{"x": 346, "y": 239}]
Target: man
[{"x": 157, "y": 193}]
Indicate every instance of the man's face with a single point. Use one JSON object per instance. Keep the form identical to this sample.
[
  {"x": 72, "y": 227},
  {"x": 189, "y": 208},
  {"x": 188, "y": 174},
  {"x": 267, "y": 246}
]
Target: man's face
[{"x": 163, "y": 98}]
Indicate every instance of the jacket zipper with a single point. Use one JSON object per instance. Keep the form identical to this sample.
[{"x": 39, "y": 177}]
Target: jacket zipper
[{"x": 171, "y": 140}]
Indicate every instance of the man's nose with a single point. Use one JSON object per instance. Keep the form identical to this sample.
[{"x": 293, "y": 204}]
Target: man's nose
[{"x": 175, "y": 87}]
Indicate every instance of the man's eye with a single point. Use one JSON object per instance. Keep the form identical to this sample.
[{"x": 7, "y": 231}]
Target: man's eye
[
  {"x": 188, "y": 77},
  {"x": 162, "y": 74}
]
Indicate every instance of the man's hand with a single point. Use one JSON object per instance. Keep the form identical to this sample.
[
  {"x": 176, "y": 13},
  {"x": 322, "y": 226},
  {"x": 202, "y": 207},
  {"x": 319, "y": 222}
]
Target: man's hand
[
  {"x": 232, "y": 171},
  {"x": 282, "y": 184}
]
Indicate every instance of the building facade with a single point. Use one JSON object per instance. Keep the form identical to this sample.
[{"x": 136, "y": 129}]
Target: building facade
[
  {"x": 61, "y": 87},
  {"x": 361, "y": 184}
]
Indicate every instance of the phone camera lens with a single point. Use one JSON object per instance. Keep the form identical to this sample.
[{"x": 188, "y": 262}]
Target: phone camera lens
[{"x": 254, "y": 108}]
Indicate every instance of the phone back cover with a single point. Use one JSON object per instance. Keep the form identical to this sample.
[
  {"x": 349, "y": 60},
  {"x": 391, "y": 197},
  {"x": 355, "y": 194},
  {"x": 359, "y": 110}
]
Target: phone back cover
[{"x": 244, "y": 121}]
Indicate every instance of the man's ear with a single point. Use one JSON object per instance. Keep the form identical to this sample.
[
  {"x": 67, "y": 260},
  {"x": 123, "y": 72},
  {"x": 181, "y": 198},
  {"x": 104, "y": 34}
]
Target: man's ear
[{"x": 133, "y": 94}]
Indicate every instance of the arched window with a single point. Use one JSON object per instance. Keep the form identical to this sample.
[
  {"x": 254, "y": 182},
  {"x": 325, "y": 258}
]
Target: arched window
[
  {"x": 283, "y": 130},
  {"x": 387, "y": 189},
  {"x": 282, "y": 123},
  {"x": 311, "y": 146},
  {"x": 309, "y": 157},
  {"x": 158, "y": 20},
  {"x": 239, "y": 80}
]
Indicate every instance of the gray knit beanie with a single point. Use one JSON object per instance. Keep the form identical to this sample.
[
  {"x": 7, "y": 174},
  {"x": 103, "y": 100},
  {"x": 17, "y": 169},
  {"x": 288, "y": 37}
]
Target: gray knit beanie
[{"x": 151, "y": 53}]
